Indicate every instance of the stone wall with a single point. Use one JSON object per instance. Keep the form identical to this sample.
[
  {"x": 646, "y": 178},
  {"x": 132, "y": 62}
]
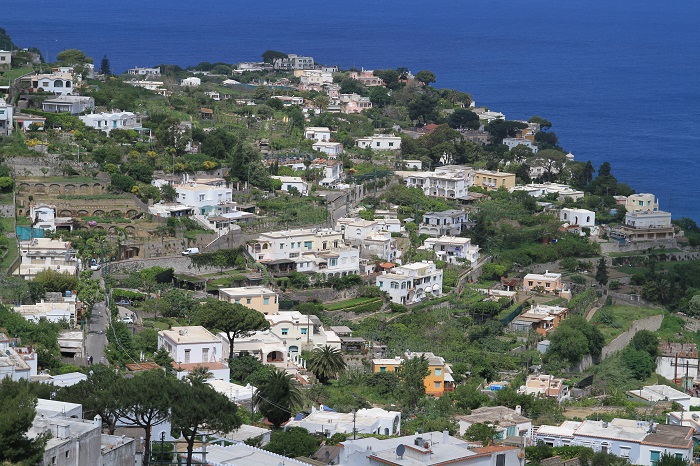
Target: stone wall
[
  {"x": 322, "y": 294},
  {"x": 614, "y": 246},
  {"x": 652, "y": 323},
  {"x": 180, "y": 264},
  {"x": 558, "y": 461}
]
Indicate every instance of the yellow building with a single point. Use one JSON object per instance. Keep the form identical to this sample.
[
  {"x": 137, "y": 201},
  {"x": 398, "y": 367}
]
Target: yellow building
[
  {"x": 492, "y": 180},
  {"x": 259, "y": 298},
  {"x": 438, "y": 381}
]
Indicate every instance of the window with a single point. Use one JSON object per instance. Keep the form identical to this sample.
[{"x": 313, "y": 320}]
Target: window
[
  {"x": 394, "y": 285},
  {"x": 437, "y": 384},
  {"x": 281, "y": 245},
  {"x": 187, "y": 356},
  {"x": 67, "y": 453},
  {"x": 266, "y": 301},
  {"x": 501, "y": 459},
  {"x": 654, "y": 457},
  {"x": 529, "y": 283},
  {"x": 308, "y": 245},
  {"x": 247, "y": 300},
  {"x": 333, "y": 262},
  {"x": 382, "y": 369},
  {"x": 378, "y": 143},
  {"x": 391, "y": 144},
  {"x": 285, "y": 331},
  {"x": 237, "y": 300},
  {"x": 205, "y": 354},
  {"x": 438, "y": 371},
  {"x": 381, "y": 284},
  {"x": 201, "y": 197},
  {"x": 304, "y": 331}
]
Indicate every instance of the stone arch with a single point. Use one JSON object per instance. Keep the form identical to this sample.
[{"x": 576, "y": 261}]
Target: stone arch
[
  {"x": 25, "y": 187},
  {"x": 99, "y": 212},
  {"x": 116, "y": 213},
  {"x": 98, "y": 227},
  {"x": 131, "y": 213},
  {"x": 54, "y": 188},
  {"x": 96, "y": 188},
  {"x": 40, "y": 188},
  {"x": 83, "y": 213},
  {"x": 130, "y": 230},
  {"x": 69, "y": 189},
  {"x": 112, "y": 230},
  {"x": 66, "y": 213},
  {"x": 85, "y": 189}
]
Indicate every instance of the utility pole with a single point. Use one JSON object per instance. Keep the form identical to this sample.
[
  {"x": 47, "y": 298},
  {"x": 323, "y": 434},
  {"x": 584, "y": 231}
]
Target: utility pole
[{"x": 354, "y": 418}]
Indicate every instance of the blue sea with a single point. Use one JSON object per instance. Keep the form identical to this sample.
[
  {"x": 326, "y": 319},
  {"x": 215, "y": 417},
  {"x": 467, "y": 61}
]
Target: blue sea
[{"x": 619, "y": 80}]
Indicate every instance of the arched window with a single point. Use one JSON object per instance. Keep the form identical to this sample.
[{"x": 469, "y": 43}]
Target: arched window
[
  {"x": 58, "y": 83},
  {"x": 67, "y": 83}
]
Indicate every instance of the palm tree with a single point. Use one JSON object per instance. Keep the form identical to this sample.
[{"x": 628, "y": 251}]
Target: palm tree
[
  {"x": 326, "y": 362},
  {"x": 199, "y": 374},
  {"x": 277, "y": 396}
]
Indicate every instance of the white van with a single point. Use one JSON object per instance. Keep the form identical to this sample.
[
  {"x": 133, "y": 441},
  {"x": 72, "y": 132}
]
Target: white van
[{"x": 190, "y": 251}]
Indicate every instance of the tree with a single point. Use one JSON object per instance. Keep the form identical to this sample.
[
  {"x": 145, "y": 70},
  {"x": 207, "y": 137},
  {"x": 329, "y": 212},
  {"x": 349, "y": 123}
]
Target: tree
[
  {"x": 426, "y": 77},
  {"x": 326, "y": 363},
  {"x": 146, "y": 401},
  {"x": 694, "y": 305},
  {"x": 463, "y": 118},
  {"x": 647, "y": 341},
  {"x": 168, "y": 193},
  {"x": 234, "y": 319},
  {"x": 411, "y": 373},
  {"x": 572, "y": 340},
  {"x": 17, "y": 411},
  {"x": 293, "y": 442},
  {"x": 379, "y": 96},
  {"x": 89, "y": 292},
  {"x": 71, "y": 57},
  {"x": 544, "y": 123},
  {"x": 639, "y": 363},
  {"x": 483, "y": 433},
  {"x": 601, "y": 273},
  {"x": 667, "y": 459},
  {"x": 269, "y": 56},
  {"x": 423, "y": 107},
  {"x": 243, "y": 367},
  {"x": 277, "y": 396},
  {"x": 105, "y": 69},
  {"x": 55, "y": 281},
  {"x": 100, "y": 395},
  {"x": 201, "y": 408},
  {"x": 390, "y": 78}
]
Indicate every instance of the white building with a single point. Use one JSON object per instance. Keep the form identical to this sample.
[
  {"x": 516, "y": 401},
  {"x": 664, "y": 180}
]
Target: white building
[
  {"x": 191, "y": 82},
  {"x": 332, "y": 149},
  {"x": 171, "y": 209},
  {"x": 41, "y": 254},
  {"x": 316, "y": 77},
  {"x": 429, "y": 448},
  {"x": 545, "y": 385},
  {"x": 55, "y": 83},
  {"x": 6, "y": 112},
  {"x": 413, "y": 164},
  {"x": 364, "y": 421},
  {"x": 5, "y": 60},
  {"x": 641, "y": 442},
  {"x": 293, "y": 182},
  {"x": 73, "y": 104},
  {"x": 204, "y": 197},
  {"x": 648, "y": 219},
  {"x": 52, "y": 312},
  {"x": 507, "y": 422},
  {"x": 267, "y": 347},
  {"x": 543, "y": 189},
  {"x": 194, "y": 346},
  {"x": 678, "y": 360},
  {"x": 106, "y": 122},
  {"x": 299, "y": 331},
  {"x": 293, "y": 62},
  {"x": 454, "y": 250},
  {"x": 515, "y": 142},
  {"x": 652, "y": 393},
  {"x": 147, "y": 72},
  {"x": 317, "y": 133},
  {"x": 380, "y": 142},
  {"x": 16, "y": 362},
  {"x": 411, "y": 283},
  {"x": 449, "y": 182},
  {"x": 448, "y": 222},
  {"x": 580, "y": 217}
]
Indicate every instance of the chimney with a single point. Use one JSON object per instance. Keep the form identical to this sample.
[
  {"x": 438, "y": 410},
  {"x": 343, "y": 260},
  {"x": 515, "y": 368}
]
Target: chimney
[
  {"x": 97, "y": 420},
  {"x": 445, "y": 436},
  {"x": 519, "y": 410}
]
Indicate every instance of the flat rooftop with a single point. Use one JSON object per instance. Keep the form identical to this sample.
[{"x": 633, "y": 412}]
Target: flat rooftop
[
  {"x": 247, "y": 291},
  {"x": 192, "y": 334}
]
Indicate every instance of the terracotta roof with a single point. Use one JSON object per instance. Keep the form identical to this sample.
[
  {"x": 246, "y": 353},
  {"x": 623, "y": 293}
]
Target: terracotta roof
[{"x": 143, "y": 366}]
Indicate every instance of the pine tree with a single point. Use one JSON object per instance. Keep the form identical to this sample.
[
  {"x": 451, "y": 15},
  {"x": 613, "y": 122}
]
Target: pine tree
[{"x": 104, "y": 66}]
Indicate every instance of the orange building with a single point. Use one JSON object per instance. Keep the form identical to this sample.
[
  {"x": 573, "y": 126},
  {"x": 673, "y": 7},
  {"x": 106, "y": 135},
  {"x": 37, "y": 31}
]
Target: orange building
[
  {"x": 540, "y": 319},
  {"x": 436, "y": 383}
]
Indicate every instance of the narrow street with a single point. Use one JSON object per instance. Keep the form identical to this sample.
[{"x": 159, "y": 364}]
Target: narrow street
[{"x": 96, "y": 339}]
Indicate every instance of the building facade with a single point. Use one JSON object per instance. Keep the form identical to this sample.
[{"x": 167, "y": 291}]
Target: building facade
[{"x": 411, "y": 283}]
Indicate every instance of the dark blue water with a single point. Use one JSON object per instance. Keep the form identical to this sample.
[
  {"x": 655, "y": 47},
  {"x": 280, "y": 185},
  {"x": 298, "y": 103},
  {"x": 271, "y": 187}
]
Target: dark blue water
[{"x": 619, "y": 80}]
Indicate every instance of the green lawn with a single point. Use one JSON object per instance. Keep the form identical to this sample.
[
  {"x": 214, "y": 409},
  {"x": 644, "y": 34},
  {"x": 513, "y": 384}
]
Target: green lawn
[
  {"x": 614, "y": 320},
  {"x": 349, "y": 303},
  {"x": 13, "y": 74}
]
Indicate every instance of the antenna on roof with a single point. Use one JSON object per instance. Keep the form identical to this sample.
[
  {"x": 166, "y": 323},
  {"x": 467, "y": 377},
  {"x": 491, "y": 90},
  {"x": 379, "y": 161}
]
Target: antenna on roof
[{"x": 400, "y": 450}]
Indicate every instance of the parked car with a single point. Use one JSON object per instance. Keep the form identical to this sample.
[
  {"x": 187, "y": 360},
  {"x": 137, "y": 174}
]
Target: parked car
[
  {"x": 124, "y": 302},
  {"x": 190, "y": 251},
  {"x": 96, "y": 266},
  {"x": 127, "y": 320}
]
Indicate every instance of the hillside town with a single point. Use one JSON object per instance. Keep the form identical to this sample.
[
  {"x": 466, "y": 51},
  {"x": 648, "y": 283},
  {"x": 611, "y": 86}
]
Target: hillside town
[{"x": 285, "y": 262}]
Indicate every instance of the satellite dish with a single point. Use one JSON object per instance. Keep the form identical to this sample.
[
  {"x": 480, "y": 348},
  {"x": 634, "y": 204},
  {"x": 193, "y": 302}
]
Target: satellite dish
[{"x": 400, "y": 450}]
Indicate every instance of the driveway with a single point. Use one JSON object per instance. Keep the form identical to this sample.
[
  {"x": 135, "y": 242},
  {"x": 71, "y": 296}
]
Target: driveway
[{"x": 96, "y": 339}]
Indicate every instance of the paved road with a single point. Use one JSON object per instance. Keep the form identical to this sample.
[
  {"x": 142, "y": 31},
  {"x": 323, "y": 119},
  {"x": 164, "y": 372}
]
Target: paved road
[{"x": 96, "y": 338}]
